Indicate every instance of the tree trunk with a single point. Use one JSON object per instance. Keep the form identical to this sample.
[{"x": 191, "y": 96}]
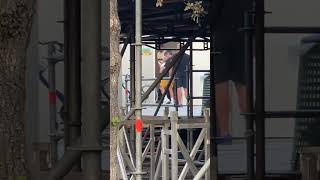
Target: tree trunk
[
  {"x": 115, "y": 65},
  {"x": 15, "y": 27}
]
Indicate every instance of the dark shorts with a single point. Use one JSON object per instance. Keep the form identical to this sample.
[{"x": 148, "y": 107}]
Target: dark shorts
[
  {"x": 229, "y": 62},
  {"x": 182, "y": 81}
]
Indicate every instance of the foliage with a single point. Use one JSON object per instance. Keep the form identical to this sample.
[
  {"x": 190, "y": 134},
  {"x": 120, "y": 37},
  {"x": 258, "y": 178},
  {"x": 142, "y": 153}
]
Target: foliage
[
  {"x": 115, "y": 120},
  {"x": 195, "y": 6},
  {"x": 197, "y": 10},
  {"x": 159, "y": 3}
]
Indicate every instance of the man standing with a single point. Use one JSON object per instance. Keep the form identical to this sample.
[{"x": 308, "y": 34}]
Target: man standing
[
  {"x": 181, "y": 75},
  {"x": 229, "y": 62}
]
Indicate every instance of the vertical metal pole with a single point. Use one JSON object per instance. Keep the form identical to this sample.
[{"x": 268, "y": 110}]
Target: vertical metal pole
[
  {"x": 174, "y": 146},
  {"x": 126, "y": 92},
  {"x": 52, "y": 108},
  {"x": 132, "y": 75},
  {"x": 165, "y": 143},
  {"x": 138, "y": 103},
  {"x": 213, "y": 115},
  {"x": 191, "y": 94},
  {"x": 91, "y": 89},
  {"x": 132, "y": 92},
  {"x": 164, "y": 155},
  {"x": 66, "y": 74},
  {"x": 248, "y": 47},
  {"x": 175, "y": 94},
  {"x": 260, "y": 94},
  {"x": 74, "y": 54},
  {"x": 207, "y": 142},
  {"x": 152, "y": 151},
  {"x": 191, "y": 82}
]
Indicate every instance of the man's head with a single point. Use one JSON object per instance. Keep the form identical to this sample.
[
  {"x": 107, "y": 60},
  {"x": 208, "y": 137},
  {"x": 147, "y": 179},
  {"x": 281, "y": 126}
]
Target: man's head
[{"x": 167, "y": 55}]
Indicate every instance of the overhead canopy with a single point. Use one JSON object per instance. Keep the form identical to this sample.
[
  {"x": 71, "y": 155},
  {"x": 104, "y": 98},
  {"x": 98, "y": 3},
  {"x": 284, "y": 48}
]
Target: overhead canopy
[{"x": 159, "y": 23}]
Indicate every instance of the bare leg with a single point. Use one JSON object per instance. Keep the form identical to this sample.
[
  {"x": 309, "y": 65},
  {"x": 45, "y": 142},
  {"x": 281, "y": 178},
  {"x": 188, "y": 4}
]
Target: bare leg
[
  {"x": 162, "y": 90},
  {"x": 171, "y": 93},
  {"x": 242, "y": 97},
  {"x": 223, "y": 106},
  {"x": 179, "y": 94},
  {"x": 185, "y": 92}
]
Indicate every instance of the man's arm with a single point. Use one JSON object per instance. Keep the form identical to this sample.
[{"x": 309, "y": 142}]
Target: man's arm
[{"x": 170, "y": 72}]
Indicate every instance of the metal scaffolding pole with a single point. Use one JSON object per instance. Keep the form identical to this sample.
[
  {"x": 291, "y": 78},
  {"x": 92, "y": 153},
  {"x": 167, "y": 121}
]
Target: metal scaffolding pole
[
  {"x": 138, "y": 85},
  {"x": 260, "y": 93},
  {"x": 74, "y": 74},
  {"x": 213, "y": 114},
  {"x": 66, "y": 74},
  {"x": 132, "y": 75},
  {"x": 191, "y": 83},
  {"x": 248, "y": 47},
  {"x": 132, "y": 92},
  {"x": 91, "y": 91},
  {"x": 52, "y": 107}
]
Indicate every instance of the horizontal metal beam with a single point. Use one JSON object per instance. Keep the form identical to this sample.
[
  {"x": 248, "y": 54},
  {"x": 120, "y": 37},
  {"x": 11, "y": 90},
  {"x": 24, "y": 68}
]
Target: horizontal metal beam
[
  {"x": 201, "y": 71},
  {"x": 288, "y": 114},
  {"x": 292, "y": 30},
  {"x": 199, "y": 97}
]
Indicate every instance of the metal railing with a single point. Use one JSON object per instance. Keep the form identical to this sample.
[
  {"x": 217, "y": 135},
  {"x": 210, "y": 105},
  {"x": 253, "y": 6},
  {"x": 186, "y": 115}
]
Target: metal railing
[{"x": 158, "y": 152}]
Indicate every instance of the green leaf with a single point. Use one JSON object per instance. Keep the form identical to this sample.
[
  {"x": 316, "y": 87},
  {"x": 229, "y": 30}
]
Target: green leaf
[{"x": 115, "y": 120}]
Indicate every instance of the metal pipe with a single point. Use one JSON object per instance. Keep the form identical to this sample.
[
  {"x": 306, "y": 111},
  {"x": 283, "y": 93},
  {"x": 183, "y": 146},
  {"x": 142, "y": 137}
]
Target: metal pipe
[
  {"x": 248, "y": 47},
  {"x": 66, "y": 73},
  {"x": 126, "y": 42},
  {"x": 200, "y": 97},
  {"x": 288, "y": 114},
  {"x": 202, "y": 171},
  {"x": 201, "y": 71},
  {"x": 132, "y": 92},
  {"x": 260, "y": 86},
  {"x": 52, "y": 108},
  {"x": 132, "y": 74},
  {"x": 74, "y": 74},
  {"x": 174, "y": 145},
  {"x": 64, "y": 165},
  {"x": 91, "y": 93},
  {"x": 213, "y": 114},
  {"x": 152, "y": 151},
  {"x": 138, "y": 85},
  {"x": 191, "y": 82},
  {"x": 292, "y": 30}
]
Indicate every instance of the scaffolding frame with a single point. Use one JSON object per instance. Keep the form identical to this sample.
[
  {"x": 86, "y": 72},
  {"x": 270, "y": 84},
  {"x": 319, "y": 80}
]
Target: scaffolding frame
[
  {"x": 159, "y": 155},
  {"x": 258, "y": 112}
]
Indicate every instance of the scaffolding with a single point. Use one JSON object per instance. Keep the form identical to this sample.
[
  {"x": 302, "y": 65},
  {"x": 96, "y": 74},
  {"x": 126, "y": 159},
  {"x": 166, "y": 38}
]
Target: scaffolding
[
  {"x": 131, "y": 162},
  {"x": 158, "y": 149}
]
